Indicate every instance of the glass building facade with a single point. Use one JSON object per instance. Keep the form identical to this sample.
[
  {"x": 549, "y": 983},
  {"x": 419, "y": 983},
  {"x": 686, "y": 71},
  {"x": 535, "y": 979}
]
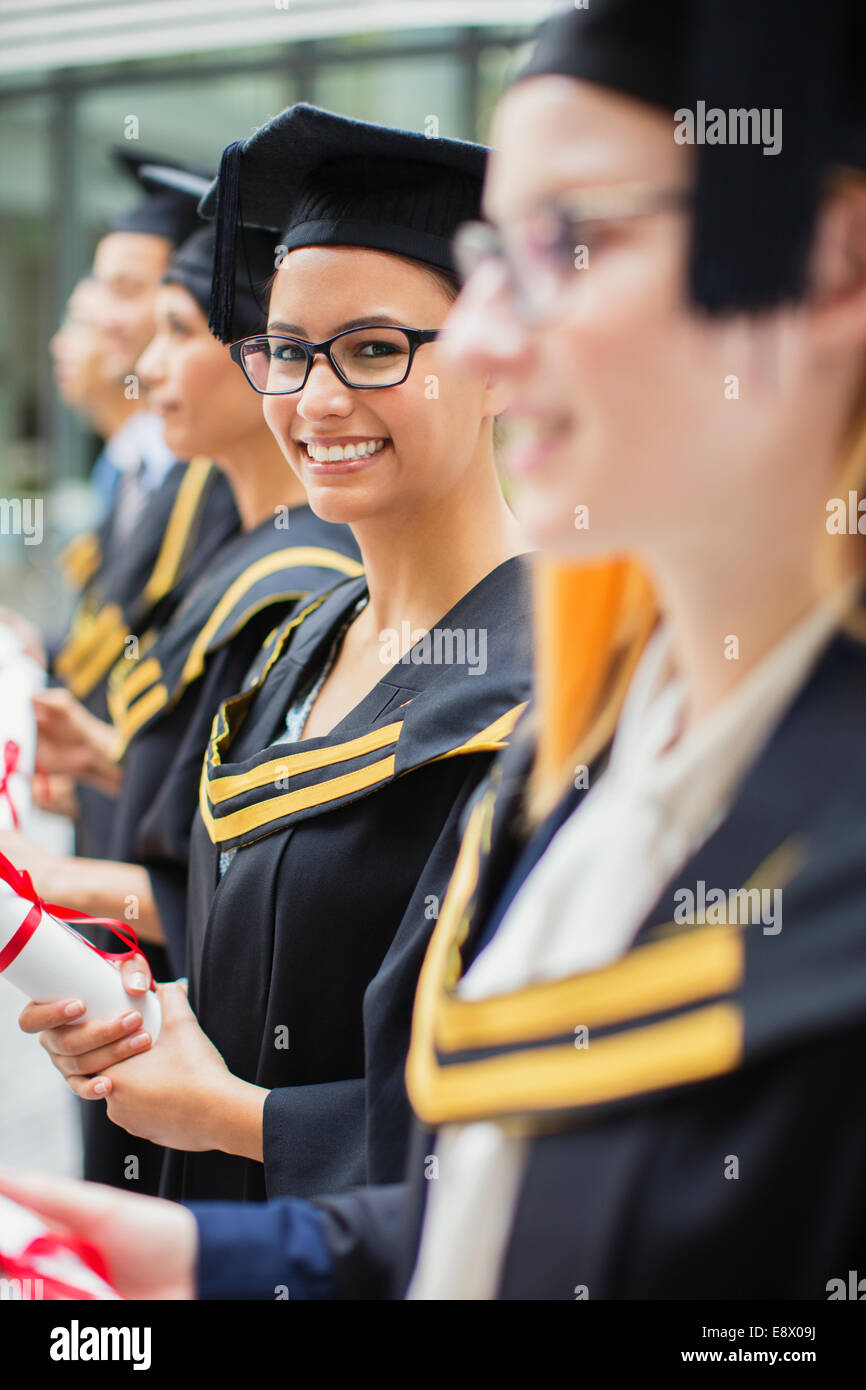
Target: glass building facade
[
  {"x": 59, "y": 185},
  {"x": 180, "y": 78}
]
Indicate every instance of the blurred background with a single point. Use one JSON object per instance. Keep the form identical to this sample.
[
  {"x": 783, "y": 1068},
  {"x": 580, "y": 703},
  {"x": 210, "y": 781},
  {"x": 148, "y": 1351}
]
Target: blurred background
[
  {"x": 182, "y": 78},
  {"x": 178, "y": 78}
]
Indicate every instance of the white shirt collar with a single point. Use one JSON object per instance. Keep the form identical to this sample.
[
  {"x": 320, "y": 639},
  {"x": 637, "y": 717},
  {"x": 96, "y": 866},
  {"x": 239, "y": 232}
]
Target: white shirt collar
[
  {"x": 141, "y": 441},
  {"x": 695, "y": 774}
]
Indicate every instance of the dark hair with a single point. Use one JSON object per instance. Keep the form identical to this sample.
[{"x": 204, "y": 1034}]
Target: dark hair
[{"x": 447, "y": 280}]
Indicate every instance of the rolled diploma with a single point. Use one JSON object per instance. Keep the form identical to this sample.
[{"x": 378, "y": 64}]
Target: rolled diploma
[
  {"x": 20, "y": 678},
  {"x": 19, "y": 1227},
  {"x": 56, "y": 964}
]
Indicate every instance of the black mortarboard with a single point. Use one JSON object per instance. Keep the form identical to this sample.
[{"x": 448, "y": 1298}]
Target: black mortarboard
[
  {"x": 173, "y": 192},
  {"x": 192, "y": 266},
  {"x": 754, "y": 212},
  {"x": 323, "y": 180}
]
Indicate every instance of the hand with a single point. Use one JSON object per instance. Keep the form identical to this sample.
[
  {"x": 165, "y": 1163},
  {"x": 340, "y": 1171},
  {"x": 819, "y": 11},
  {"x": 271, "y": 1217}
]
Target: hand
[
  {"x": 150, "y": 1246},
  {"x": 79, "y": 1048},
  {"x": 45, "y": 869},
  {"x": 99, "y": 887},
  {"x": 71, "y": 740},
  {"x": 175, "y": 1094},
  {"x": 28, "y": 634},
  {"x": 55, "y": 793}
]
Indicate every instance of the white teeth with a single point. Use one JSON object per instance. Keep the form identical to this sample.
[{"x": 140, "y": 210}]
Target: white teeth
[{"x": 335, "y": 453}]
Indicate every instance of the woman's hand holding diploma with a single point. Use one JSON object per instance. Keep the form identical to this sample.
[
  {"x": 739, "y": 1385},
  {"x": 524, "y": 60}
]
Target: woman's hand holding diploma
[
  {"x": 55, "y": 792},
  {"x": 78, "y": 1047},
  {"x": 99, "y": 887},
  {"x": 45, "y": 869},
  {"x": 148, "y": 1245},
  {"x": 28, "y": 635},
  {"x": 181, "y": 1094},
  {"x": 71, "y": 740}
]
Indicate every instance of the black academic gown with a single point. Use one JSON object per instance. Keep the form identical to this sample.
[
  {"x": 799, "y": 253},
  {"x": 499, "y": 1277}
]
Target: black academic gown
[
  {"x": 183, "y": 524},
  {"x": 303, "y": 959},
  {"x": 163, "y": 706},
  {"x": 709, "y": 1142}
]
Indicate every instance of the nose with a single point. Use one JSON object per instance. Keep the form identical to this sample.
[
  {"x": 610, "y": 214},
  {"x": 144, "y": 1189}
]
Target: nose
[
  {"x": 108, "y": 313},
  {"x": 150, "y": 367},
  {"x": 324, "y": 394},
  {"x": 482, "y": 334}
]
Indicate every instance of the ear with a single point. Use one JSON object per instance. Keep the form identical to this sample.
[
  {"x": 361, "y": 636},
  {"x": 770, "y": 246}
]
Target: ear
[
  {"x": 836, "y": 306},
  {"x": 496, "y": 396}
]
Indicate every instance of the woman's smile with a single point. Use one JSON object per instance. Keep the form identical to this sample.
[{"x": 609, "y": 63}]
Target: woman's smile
[{"x": 332, "y": 455}]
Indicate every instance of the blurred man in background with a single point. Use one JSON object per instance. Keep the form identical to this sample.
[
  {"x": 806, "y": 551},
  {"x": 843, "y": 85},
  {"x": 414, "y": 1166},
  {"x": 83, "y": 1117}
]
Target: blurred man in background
[
  {"x": 128, "y": 265},
  {"x": 85, "y": 383}
]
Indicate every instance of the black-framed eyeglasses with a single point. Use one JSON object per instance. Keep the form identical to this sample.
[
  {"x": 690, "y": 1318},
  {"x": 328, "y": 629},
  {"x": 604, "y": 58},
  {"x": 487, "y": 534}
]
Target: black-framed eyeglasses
[
  {"x": 368, "y": 358},
  {"x": 537, "y": 257}
]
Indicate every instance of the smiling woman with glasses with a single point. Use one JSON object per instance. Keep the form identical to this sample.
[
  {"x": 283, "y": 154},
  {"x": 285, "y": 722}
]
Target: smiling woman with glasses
[{"x": 335, "y": 782}]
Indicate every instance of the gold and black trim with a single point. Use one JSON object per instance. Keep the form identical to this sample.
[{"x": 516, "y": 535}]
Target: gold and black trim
[
  {"x": 238, "y": 807},
  {"x": 420, "y": 713},
  {"x": 98, "y": 634},
  {"x": 669, "y": 1012},
  {"x": 179, "y": 537},
  {"x": 80, "y": 559},
  {"x": 226, "y": 618},
  {"x": 140, "y": 692},
  {"x": 94, "y": 644}
]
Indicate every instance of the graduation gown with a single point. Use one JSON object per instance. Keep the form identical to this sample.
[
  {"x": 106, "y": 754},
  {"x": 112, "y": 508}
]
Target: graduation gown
[
  {"x": 184, "y": 522},
  {"x": 303, "y": 959},
  {"x": 707, "y": 1143},
  {"x": 710, "y": 1142},
  {"x": 163, "y": 707},
  {"x": 183, "y": 525}
]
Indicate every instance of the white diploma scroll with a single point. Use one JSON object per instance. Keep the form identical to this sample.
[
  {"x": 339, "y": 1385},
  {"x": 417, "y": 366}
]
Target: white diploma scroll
[
  {"x": 20, "y": 679},
  {"x": 54, "y": 963},
  {"x": 37, "y": 1263}
]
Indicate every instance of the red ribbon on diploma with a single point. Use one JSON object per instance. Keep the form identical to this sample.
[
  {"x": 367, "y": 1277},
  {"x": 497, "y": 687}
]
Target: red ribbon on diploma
[
  {"x": 20, "y": 881},
  {"x": 11, "y": 754},
  {"x": 26, "y": 1265}
]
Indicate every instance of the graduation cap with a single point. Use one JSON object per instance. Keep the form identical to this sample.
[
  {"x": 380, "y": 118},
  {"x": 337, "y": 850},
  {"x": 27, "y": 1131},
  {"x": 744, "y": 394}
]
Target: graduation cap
[
  {"x": 192, "y": 267},
  {"x": 799, "y": 66},
  {"x": 172, "y": 194},
  {"x": 319, "y": 179}
]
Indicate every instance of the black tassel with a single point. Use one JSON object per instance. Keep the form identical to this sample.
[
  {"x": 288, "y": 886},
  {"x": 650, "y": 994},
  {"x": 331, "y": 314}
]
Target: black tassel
[{"x": 222, "y": 298}]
